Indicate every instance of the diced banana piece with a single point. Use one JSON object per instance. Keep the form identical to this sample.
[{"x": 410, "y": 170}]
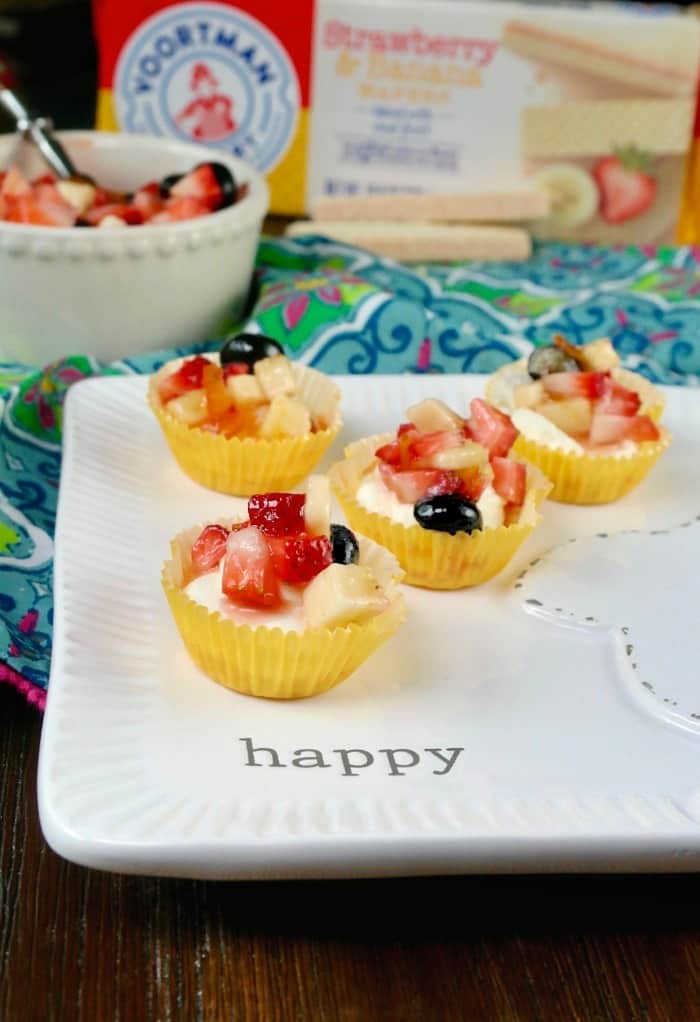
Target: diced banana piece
[
  {"x": 317, "y": 509},
  {"x": 572, "y": 415},
  {"x": 275, "y": 376},
  {"x": 286, "y": 417},
  {"x": 491, "y": 509},
  {"x": 78, "y": 194},
  {"x": 432, "y": 414},
  {"x": 527, "y": 395},
  {"x": 245, "y": 389},
  {"x": 342, "y": 594},
  {"x": 190, "y": 408},
  {"x": 467, "y": 455},
  {"x": 111, "y": 221},
  {"x": 599, "y": 356}
]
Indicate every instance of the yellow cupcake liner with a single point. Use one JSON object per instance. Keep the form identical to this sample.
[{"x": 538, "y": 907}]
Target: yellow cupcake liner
[
  {"x": 267, "y": 662},
  {"x": 592, "y": 478},
  {"x": 243, "y": 466},
  {"x": 589, "y": 478},
  {"x": 434, "y": 560}
]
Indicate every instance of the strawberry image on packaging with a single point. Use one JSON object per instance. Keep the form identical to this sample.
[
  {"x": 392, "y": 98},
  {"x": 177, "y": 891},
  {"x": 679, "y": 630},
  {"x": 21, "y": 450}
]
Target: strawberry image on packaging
[{"x": 233, "y": 76}]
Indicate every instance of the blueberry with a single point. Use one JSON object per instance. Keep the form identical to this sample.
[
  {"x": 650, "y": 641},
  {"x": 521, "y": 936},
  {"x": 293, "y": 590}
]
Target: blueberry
[
  {"x": 344, "y": 545},
  {"x": 226, "y": 182},
  {"x": 248, "y": 348},
  {"x": 167, "y": 183},
  {"x": 550, "y": 359},
  {"x": 448, "y": 512}
]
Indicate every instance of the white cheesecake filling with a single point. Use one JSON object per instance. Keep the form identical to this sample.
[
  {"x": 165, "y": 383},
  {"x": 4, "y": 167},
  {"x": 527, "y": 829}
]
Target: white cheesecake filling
[
  {"x": 373, "y": 495},
  {"x": 540, "y": 430},
  {"x": 502, "y": 384},
  {"x": 206, "y": 590}
]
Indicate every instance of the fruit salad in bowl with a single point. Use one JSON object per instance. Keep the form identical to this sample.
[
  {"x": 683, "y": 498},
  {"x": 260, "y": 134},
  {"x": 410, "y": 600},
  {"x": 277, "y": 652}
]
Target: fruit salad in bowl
[
  {"x": 284, "y": 604},
  {"x": 590, "y": 425},
  {"x": 245, "y": 419},
  {"x": 444, "y": 494},
  {"x": 154, "y": 247},
  {"x": 47, "y": 201}
]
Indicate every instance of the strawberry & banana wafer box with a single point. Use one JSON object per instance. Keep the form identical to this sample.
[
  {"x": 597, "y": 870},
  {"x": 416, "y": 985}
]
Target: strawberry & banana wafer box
[{"x": 339, "y": 100}]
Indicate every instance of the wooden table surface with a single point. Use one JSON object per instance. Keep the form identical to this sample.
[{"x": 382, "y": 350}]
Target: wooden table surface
[{"x": 91, "y": 947}]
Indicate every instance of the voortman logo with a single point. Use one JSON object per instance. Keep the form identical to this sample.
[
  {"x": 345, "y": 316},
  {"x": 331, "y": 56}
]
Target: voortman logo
[{"x": 209, "y": 73}]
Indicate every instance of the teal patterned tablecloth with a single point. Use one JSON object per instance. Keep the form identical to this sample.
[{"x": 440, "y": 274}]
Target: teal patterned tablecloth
[{"x": 344, "y": 311}]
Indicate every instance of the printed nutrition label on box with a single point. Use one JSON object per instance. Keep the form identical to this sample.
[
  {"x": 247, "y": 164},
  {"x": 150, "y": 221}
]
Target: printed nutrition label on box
[{"x": 403, "y": 101}]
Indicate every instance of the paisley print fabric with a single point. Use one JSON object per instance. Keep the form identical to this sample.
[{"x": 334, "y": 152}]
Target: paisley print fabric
[{"x": 343, "y": 310}]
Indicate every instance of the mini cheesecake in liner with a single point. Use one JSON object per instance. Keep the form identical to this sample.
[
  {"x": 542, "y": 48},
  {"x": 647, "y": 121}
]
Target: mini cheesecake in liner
[
  {"x": 430, "y": 559},
  {"x": 245, "y": 465},
  {"x": 586, "y": 476},
  {"x": 266, "y": 661}
]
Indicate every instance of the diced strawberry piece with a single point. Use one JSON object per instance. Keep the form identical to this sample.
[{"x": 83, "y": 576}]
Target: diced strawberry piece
[
  {"x": 472, "y": 483},
  {"x": 248, "y": 575},
  {"x": 147, "y": 201},
  {"x": 186, "y": 208},
  {"x": 189, "y": 376},
  {"x": 609, "y": 429},
  {"x": 102, "y": 198},
  {"x": 617, "y": 400},
  {"x": 277, "y": 514},
  {"x": 410, "y": 486},
  {"x": 235, "y": 369},
  {"x": 202, "y": 183},
  {"x": 642, "y": 429},
  {"x": 389, "y": 453},
  {"x": 491, "y": 428},
  {"x": 574, "y": 384},
  {"x": 40, "y": 212},
  {"x": 96, "y": 212},
  {"x": 56, "y": 208},
  {"x": 299, "y": 559},
  {"x": 613, "y": 429},
  {"x": 14, "y": 183},
  {"x": 398, "y": 452},
  {"x": 44, "y": 179},
  {"x": 191, "y": 372},
  {"x": 509, "y": 480},
  {"x": 209, "y": 547},
  {"x": 422, "y": 447}
]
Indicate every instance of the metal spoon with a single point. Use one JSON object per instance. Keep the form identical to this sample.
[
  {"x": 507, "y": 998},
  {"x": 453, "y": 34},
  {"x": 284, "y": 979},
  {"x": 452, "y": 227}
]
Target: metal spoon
[{"x": 39, "y": 130}]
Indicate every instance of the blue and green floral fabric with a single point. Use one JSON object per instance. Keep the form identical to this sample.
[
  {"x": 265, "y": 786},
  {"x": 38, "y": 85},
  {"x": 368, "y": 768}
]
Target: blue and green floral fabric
[{"x": 345, "y": 311}]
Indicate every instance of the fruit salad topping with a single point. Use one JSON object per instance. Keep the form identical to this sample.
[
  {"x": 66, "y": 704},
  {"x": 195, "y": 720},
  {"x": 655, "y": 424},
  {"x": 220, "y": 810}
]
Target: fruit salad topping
[
  {"x": 252, "y": 392},
  {"x": 276, "y": 560},
  {"x": 49, "y": 202},
  {"x": 455, "y": 472},
  {"x": 583, "y": 401}
]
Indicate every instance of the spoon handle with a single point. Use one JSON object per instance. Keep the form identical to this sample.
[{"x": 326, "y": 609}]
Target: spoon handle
[{"x": 39, "y": 129}]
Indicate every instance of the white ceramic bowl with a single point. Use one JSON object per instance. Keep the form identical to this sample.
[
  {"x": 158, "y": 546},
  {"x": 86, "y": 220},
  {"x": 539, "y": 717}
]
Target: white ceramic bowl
[{"x": 113, "y": 293}]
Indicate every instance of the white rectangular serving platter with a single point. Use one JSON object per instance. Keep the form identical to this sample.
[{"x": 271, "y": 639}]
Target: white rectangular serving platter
[{"x": 545, "y": 722}]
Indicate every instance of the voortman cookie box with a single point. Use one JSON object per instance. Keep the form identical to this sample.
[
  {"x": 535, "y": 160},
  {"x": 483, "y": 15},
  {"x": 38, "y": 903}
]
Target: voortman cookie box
[{"x": 349, "y": 97}]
